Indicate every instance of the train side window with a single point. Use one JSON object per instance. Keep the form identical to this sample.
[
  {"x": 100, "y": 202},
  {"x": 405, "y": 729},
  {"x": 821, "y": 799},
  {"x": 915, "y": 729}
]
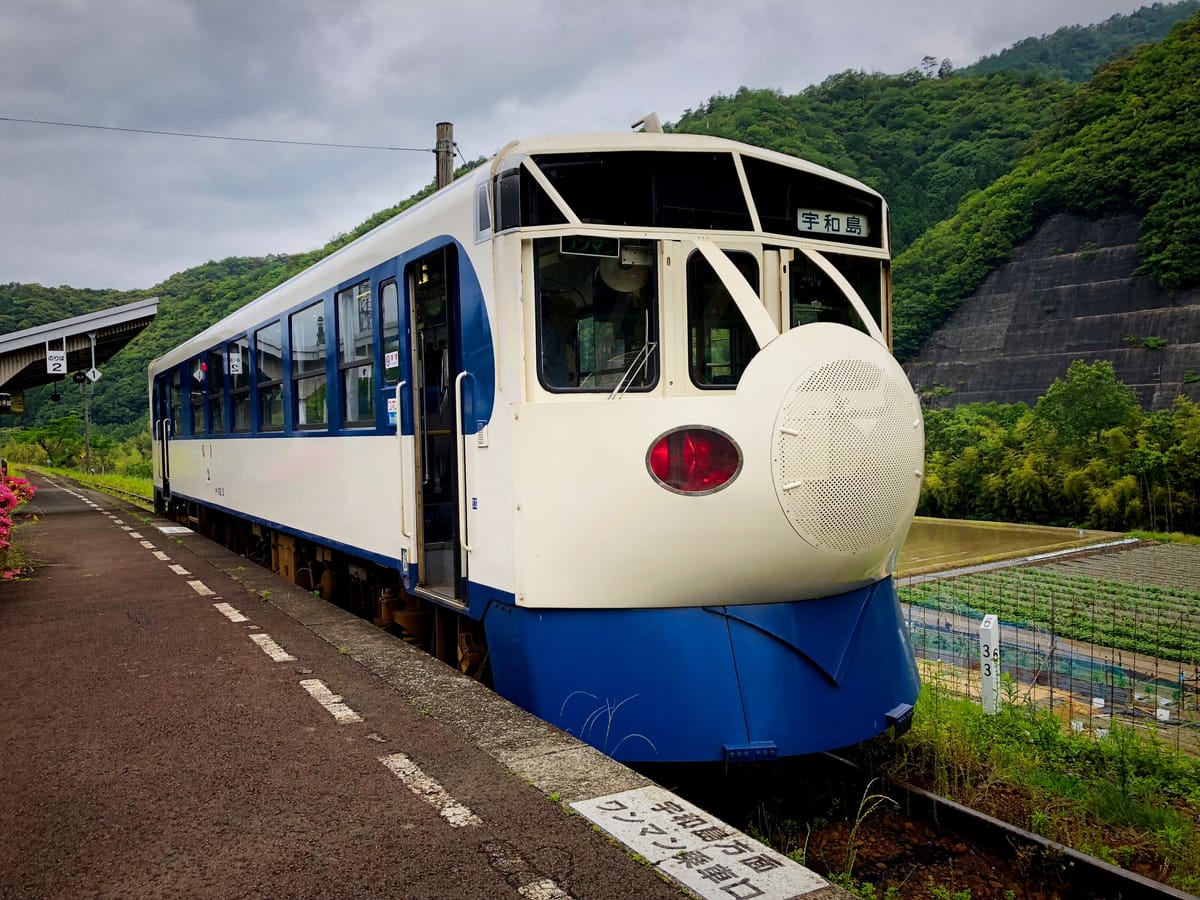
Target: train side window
[
  {"x": 239, "y": 384},
  {"x": 595, "y": 309},
  {"x": 268, "y": 373},
  {"x": 389, "y": 301},
  {"x": 483, "y": 214},
  {"x": 309, "y": 400},
  {"x": 176, "y": 401},
  {"x": 720, "y": 343},
  {"x": 196, "y": 396},
  {"x": 815, "y": 298},
  {"x": 356, "y": 348},
  {"x": 215, "y": 376}
]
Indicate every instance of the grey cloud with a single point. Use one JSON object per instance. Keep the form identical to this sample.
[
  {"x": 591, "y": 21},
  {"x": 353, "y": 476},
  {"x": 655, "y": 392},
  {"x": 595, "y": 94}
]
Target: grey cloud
[{"x": 99, "y": 209}]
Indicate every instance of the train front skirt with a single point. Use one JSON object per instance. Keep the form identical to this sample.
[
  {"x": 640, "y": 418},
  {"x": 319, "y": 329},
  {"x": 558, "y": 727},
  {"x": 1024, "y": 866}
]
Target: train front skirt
[{"x": 697, "y": 684}]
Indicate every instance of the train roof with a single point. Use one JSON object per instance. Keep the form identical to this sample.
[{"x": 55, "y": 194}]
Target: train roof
[
  {"x": 359, "y": 255},
  {"x": 666, "y": 142}
]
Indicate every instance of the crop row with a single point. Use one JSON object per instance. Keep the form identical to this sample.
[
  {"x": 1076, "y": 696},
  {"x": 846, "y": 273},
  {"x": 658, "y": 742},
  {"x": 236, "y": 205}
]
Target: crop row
[{"x": 1138, "y": 619}]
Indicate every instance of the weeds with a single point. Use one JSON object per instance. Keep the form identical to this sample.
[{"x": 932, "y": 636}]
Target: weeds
[
  {"x": 868, "y": 804},
  {"x": 1079, "y": 788}
]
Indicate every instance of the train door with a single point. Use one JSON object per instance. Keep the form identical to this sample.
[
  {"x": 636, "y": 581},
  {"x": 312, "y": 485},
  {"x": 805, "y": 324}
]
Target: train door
[
  {"x": 432, "y": 289},
  {"x": 162, "y": 430}
]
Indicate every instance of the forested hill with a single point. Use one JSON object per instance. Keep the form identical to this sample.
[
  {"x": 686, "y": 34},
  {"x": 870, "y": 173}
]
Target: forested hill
[
  {"x": 923, "y": 142},
  {"x": 1128, "y": 141},
  {"x": 1075, "y": 52}
]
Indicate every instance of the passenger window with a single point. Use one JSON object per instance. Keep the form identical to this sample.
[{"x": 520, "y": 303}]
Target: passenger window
[
  {"x": 720, "y": 343},
  {"x": 814, "y": 297},
  {"x": 356, "y": 346},
  {"x": 239, "y": 383},
  {"x": 483, "y": 213},
  {"x": 176, "y": 401},
  {"x": 389, "y": 300},
  {"x": 196, "y": 395},
  {"x": 310, "y": 406},
  {"x": 595, "y": 308},
  {"x": 268, "y": 373},
  {"x": 215, "y": 374}
]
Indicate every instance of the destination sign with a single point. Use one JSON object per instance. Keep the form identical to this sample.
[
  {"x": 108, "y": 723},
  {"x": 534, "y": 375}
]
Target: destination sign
[
  {"x": 826, "y": 222},
  {"x": 588, "y": 245}
]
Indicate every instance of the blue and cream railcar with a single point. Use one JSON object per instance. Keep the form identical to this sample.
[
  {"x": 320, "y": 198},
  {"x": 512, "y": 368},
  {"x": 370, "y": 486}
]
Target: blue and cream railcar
[{"x": 624, "y": 406}]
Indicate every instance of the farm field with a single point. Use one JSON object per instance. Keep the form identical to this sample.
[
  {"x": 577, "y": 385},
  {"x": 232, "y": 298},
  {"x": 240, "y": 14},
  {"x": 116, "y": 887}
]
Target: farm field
[{"x": 1108, "y": 637}]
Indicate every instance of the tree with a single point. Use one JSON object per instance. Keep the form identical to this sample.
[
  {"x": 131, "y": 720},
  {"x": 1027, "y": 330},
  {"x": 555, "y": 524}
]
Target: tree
[{"x": 1089, "y": 401}]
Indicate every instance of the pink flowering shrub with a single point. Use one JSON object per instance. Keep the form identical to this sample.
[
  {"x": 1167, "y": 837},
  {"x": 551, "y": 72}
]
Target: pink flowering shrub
[{"x": 13, "y": 492}]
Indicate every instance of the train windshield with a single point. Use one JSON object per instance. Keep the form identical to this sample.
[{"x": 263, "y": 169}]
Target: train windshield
[
  {"x": 721, "y": 344},
  {"x": 688, "y": 190},
  {"x": 597, "y": 329},
  {"x": 813, "y": 296}
]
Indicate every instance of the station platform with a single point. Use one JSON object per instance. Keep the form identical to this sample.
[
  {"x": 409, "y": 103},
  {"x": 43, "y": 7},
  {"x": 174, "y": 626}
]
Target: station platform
[{"x": 180, "y": 722}]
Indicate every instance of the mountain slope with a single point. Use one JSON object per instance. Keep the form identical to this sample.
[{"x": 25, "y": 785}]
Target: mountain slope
[
  {"x": 1129, "y": 141},
  {"x": 1075, "y": 52}
]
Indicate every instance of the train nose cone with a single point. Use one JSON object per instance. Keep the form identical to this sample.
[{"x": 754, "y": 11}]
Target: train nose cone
[{"x": 848, "y": 448}]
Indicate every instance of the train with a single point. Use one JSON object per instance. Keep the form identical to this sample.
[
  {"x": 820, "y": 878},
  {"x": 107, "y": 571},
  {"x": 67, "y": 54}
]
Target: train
[{"x": 610, "y": 422}]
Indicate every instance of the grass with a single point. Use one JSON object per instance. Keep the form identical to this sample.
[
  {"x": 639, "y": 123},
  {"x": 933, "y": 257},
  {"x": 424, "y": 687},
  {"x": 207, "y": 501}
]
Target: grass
[
  {"x": 1121, "y": 798},
  {"x": 1162, "y": 537}
]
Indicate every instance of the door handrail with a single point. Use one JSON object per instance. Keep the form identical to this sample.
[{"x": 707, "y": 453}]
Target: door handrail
[
  {"x": 462, "y": 467},
  {"x": 400, "y": 446}
]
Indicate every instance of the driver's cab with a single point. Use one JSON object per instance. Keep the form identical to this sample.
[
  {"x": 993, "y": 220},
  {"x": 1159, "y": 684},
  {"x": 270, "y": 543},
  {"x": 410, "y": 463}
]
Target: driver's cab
[{"x": 602, "y": 329}]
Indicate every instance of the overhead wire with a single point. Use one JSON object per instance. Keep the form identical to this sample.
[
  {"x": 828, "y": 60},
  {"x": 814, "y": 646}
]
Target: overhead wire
[{"x": 220, "y": 137}]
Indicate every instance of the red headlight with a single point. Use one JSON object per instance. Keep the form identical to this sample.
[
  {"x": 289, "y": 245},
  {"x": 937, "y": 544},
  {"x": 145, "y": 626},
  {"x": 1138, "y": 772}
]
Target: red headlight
[{"x": 694, "y": 460}]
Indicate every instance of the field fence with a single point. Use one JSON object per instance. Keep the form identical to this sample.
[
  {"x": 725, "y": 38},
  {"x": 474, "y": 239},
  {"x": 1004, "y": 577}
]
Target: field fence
[{"x": 1097, "y": 649}]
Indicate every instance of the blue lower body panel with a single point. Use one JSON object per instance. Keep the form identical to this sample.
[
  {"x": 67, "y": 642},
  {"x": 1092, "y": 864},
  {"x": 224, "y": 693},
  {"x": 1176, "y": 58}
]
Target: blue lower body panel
[{"x": 701, "y": 684}]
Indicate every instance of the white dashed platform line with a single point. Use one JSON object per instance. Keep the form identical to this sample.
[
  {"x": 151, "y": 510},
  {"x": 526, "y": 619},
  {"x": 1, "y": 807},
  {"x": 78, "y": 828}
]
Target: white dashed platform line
[
  {"x": 508, "y": 862},
  {"x": 429, "y": 790},
  {"x": 135, "y": 535},
  {"x": 331, "y": 701},
  {"x": 201, "y": 588},
  {"x": 147, "y": 545},
  {"x": 158, "y": 554},
  {"x": 230, "y": 613},
  {"x": 543, "y": 889},
  {"x": 127, "y": 528},
  {"x": 268, "y": 646},
  {"x": 179, "y": 570},
  {"x": 117, "y": 521}
]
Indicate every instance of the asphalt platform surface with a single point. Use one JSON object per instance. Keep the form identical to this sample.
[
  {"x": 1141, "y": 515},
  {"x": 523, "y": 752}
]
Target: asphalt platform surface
[
  {"x": 180, "y": 722},
  {"x": 151, "y": 746}
]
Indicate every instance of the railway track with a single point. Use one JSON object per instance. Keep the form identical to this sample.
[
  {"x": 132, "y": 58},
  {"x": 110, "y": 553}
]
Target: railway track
[{"x": 838, "y": 820}]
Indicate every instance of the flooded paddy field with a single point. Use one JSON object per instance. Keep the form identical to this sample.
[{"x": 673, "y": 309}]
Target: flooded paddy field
[{"x": 936, "y": 545}]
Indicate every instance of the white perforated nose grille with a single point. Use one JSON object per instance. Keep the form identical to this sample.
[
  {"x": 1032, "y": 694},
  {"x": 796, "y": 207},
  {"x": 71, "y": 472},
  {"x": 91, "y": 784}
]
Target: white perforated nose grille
[{"x": 848, "y": 453}]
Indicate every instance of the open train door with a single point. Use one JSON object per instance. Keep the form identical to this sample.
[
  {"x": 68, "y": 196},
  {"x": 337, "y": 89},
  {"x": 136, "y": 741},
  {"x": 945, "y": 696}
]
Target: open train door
[
  {"x": 433, "y": 293},
  {"x": 162, "y": 429}
]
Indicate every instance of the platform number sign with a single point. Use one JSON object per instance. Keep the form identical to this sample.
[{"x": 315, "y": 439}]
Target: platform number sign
[
  {"x": 56, "y": 361},
  {"x": 989, "y": 663}
]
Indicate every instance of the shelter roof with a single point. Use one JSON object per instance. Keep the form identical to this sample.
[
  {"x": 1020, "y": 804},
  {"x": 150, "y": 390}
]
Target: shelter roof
[{"x": 23, "y": 353}]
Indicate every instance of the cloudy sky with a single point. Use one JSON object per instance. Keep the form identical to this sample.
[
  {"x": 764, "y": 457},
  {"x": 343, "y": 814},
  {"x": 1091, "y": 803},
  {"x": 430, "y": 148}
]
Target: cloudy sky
[{"x": 94, "y": 208}]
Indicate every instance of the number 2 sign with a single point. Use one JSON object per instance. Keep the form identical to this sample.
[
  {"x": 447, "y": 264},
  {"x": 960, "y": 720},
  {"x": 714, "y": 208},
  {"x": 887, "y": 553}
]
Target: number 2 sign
[{"x": 56, "y": 362}]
